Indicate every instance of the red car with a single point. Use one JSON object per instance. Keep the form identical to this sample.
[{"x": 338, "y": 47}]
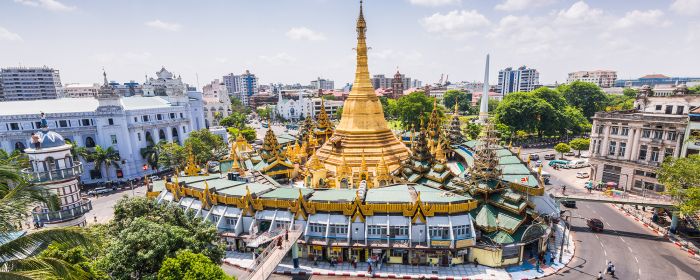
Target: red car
[{"x": 595, "y": 224}]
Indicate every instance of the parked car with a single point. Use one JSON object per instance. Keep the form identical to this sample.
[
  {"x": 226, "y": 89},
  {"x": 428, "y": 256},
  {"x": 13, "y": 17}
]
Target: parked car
[
  {"x": 538, "y": 163},
  {"x": 534, "y": 157},
  {"x": 595, "y": 224},
  {"x": 579, "y": 163},
  {"x": 154, "y": 178},
  {"x": 558, "y": 162},
  {"x": 550, "y": 156},
  {"x": 545, "y": 177},
  {"x": 581, "y": 174},
  {"x": 99, "y": 191},
  {"x": 569, "y": 203}
]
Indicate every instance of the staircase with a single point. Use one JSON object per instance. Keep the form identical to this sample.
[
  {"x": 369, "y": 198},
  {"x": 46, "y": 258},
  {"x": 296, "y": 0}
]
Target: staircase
[
  {"x": 254, "y": 242},
  {"x": 272, "y": 255}
]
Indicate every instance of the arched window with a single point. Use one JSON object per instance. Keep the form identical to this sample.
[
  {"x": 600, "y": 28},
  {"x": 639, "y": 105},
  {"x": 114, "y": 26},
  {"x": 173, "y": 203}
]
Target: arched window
[
  {"x": 89, "y": 142},
  {"x": 51, "y": 163},
  {"x": 20, "y": 146},
  {"x": 175, "y": 132},
  {"x": 161, "y": 134},
  {"x": 149, "y": 138}
]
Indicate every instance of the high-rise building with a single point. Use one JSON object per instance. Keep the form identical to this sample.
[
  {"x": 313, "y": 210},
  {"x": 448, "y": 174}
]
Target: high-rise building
[
  {"x": 521, "y": 79},
  {"x": 382, "y": 81},
  {"x": 242, "y": 87},
  {"x": 602, "y": 78},
  {"x": 217, "y": 104},
  {"x": 30, "y": 83},
  {"x": 324, "y": 84},
  {"x": 231, "y": 82}
]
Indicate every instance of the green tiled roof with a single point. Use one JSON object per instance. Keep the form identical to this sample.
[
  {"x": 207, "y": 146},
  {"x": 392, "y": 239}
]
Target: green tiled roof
[
  {"x": 501, "y": 237},
  {"x": 192, "y": 179},
  {"x": 333, "y": 195},
  {"x": 384, "y": 195},
  {"x": 486, "y": 216},
  {"x": 218, "y": 183},
  {"x": 240, "y": 190},
  {"x": 508, "y": 221},
  {"x": 508, "y": 160},
  {"x": 510, "y": 169},
  {"x": 501, "y": 200},
  {"x": 286, "y": 193},
  {"x": 531, "y": 182}
]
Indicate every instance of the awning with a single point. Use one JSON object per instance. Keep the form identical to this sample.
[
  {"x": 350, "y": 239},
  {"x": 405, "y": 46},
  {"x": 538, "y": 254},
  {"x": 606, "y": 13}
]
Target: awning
[
  {"x": 284, "y": 216},
  {"x": 338, "y": 220},
  {"x": 398, "y": 221},
  {"x": 441, "y": 221},
  {"x": 168, "y": 196},
  {"x": 319, "y": 218},
  {"x": 265, "y": 215},
  {"x": 377, "y": 220},
  {"x": 218, "y": 210},
  {"x": 186, "y": 201},
  {"x": 461, "y": 220},
  {"x": 232, "y": 212},
  {"x": 196, "y": 204}
]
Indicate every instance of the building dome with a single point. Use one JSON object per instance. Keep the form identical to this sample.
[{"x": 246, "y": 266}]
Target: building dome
[{"x": 51, "y": 139}]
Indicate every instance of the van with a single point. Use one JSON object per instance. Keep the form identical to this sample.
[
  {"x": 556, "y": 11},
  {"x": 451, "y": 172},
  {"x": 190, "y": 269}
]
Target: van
[{"x": 578, "y": 163}]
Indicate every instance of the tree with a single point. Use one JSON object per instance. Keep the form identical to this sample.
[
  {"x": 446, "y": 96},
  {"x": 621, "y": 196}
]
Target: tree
[
  {"x": 205, "y": 145},
  {"x": 562, "y": 148},
  {"x": 79, "y": 257},
  {"x": 586, "y": 96},
  {"x": 681, "y": 177},
  {"x": 573, "y": 120},
  {"x": 464, "y": 99},
  {"x": 473, "y": 130},
  {"x": 108, "y": 157},
  {"x": 151, "y": 153},
  {"x": 172, "y": 156},
  {"x": 248, "y": 133},
  {"x": 236, "y": 120},
  {"x": 525, "y": 111},
  {"x": 580, "y": 144},
  {"x": 338, "y": 113},
  {"x": 238, "y": 107},
  {"x": 190, "y": 266},
  {"x": 694, "y": 90},
  {"x": 410, "y": 108},
  {"x": 618, "y": 102},
  {"x": 630, "y": 92},
  {"x": 217, "y": 117},
  {"x": 264, "y": 112}
]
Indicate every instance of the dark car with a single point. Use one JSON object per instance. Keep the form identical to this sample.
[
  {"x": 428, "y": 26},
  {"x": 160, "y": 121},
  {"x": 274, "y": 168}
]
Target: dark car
[
  {"x": 534, "y": 157},
  {"x": 595, "y": 224},
  {"x": 569, "y": 203}
]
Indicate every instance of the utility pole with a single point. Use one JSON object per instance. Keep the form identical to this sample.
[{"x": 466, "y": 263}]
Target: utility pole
[{"x": 563, "y": 234}]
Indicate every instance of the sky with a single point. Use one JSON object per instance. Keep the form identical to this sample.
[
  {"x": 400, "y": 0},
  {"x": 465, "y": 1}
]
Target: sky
[{"x": 295, "y": 41}]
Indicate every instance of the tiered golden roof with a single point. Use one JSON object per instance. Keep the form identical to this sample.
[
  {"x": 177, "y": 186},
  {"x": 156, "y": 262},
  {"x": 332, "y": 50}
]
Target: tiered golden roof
[{"x": 362, "y": 128}]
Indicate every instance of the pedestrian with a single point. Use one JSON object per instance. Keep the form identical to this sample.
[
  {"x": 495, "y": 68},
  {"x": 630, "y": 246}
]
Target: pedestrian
[
  {"x": 315, "y": 261},
  {"x": 94, "y": 218},
  {"x": 369, "y": 269},
  {"x": 563, "y": 190},
  {"x": 600, "y": 275},
  {"x": 612, "y": 270},
  {"x": 476, "y": 262},
  {"x": 279, "y": 242},
  {"x": 286, "y": 235},
  {"x": 354, "y": 263},
  {"x": 35, "y": 141},
  {"x": 551, "y": 259}
]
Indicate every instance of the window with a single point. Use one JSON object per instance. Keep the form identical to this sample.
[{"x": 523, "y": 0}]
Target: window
[
  {"x": 668, "y": 152},
  {"x": 172, "y": 115},
  {"x": 230, "y": 221},
  {"x": 110, "y": 121},
  {"x": 643, "y": 152},
  {"x": 614, "y": 130},
  {"x": 655, "y": 154},
  {"x": 398, "y": 231},
  {"x": 138, "y": 135},
  {"x": 215, "y": 219},
  {"x": 136, "y": 119},
  {"x": 114, "y": 139},
  {"x": 623, "y": 147},
  {"x": 658, "y": 134},
  {"x": 439, "y": 233},
  {"x": 646, "y": 133},
  {"x": 181, "y": 116},
  {"x": 611, "y": 148},
  {"x": 63, "y": 123},
  {"x": 14, "y": 126},
  {"x": 639, "y": 172},
  {"x": 669, "y": 109},
  {"x": 184, "y": 129},
  {"x": 317, "y": 228},
  {"x": 159, "y": 117},
  {"x": 85, "y": 122},
  {"x": 338, "y": 230},
  {"x": 625, "y": 131},
  {"x": 599, "y": 129},
  {"x": 658, "y": 107},
  {"x": 671, "y": 135},
  {"x": 461, "y": 231},
  {"x": 679, "y": 110},
  {"x": 144, "y": 118}
]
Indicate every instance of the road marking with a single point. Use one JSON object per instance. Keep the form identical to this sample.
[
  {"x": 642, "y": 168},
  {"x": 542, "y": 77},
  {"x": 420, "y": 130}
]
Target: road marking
[
  {"x": 636, "y": 259},
  {"x": 604, "y": 252},
  {"x": 630, "y": 248}
]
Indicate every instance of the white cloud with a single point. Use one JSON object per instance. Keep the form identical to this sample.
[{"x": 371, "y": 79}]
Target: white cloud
[
  {"x": 577, "y": 13},
  {"x": 642, "y": 18},
  {"x": 278, "y": 58},
  {"x": 128, "y": 57},
  {"x": 434, "y": 3},
  {"x": 686, "y": 7},
  {"x": 51, "y": 5},
  {"x": 517, "y": 5},
  {"x": 525, "y": 34},
  {"x": 455, "y": 24},
  {"x": 7, "y": 35},
  {"x": 303, "y": 33},
  {"x": 158, "y": 24},
  {"x": 390, "y": 54}
]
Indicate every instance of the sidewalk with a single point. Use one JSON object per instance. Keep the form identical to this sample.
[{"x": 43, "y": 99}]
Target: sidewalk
[{"x": 457, "y": 272}]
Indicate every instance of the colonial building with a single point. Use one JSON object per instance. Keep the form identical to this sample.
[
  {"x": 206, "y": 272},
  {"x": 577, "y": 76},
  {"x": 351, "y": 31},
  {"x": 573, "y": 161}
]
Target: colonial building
[
  {"x": 109, "y": 120},
  {"x": 217, "y": 104},
  {"x": 304, "y": 105},
  {"x": 627, "y": 147},
  {"x": 602, "y": 78}
]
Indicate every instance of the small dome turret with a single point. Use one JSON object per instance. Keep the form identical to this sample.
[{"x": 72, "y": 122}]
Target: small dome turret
[{"x": 51, "y": 139}]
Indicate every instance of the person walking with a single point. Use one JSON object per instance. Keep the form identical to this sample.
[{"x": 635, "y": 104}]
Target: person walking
[
  {"x": 369, "y": 269},
  {"x": 286, "y": 235},
  {"x": 600, "y": 275},
  {"x": 563, "y": 190},
  {"x": 612, "y": 270}
]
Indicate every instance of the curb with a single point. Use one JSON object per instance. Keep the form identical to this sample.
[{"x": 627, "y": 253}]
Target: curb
[
  {"x": 566, "y": 265},
  {"x": 374, "y": 275}
]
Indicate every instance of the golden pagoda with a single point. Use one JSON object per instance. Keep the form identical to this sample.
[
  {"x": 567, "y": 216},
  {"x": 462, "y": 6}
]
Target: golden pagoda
[{"x": 362, "y": 129}]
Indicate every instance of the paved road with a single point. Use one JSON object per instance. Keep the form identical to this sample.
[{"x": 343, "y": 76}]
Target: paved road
[
  {"x": 103, "y": 206},
  {"x": 636, "y": 251}
]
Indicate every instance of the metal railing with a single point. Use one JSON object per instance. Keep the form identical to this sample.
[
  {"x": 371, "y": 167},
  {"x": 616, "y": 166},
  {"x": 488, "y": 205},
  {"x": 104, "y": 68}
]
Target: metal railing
[
  {"x": 83, "y": 207},
  {"x": 612, "y": 196},
  {"x": 267, "y": 259},
  {"x": 56, "y": 174}
]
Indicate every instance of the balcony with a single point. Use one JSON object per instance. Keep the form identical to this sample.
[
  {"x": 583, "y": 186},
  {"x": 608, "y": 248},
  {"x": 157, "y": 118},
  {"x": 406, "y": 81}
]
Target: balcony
[
  {"x": 57, "y": 174},
  {"x": 49, "y": 217}
]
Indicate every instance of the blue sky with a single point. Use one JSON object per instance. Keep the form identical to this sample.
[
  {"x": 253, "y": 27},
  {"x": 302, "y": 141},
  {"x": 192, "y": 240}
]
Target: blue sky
[{"x": 298, "y": 40}]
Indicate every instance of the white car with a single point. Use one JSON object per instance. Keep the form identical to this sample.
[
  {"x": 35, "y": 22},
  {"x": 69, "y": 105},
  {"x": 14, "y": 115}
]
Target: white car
[{"x": 581, "y": 174}]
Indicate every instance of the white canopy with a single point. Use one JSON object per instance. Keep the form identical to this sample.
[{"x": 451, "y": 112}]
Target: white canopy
[
  {"x": 377, "y": 220},
  {"x": 284, "y": 216},
  {"x": 440, "y": 221},
  {"x": 397, "y": 221},
  {"x": 460, "y": 220}
]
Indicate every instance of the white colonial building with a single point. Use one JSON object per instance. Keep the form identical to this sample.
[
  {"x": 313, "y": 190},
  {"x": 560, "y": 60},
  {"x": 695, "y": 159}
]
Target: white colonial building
[
  {"x": 304, "y": 105},
  {"x": 166, "y": 113},
  {"x": 216, "y": 101},
  {"x": 628, "y": 147}
]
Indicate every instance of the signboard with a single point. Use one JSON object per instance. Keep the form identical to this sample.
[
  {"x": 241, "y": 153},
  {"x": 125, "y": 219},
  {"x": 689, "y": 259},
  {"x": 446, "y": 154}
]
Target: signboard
[
  {"x": 440, "y": 243},
  {"x": 464, "y": 243}
]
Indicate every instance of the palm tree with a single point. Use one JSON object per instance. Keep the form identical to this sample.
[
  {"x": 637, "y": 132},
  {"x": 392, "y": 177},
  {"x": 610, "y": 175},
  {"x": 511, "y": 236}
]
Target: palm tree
[
  {"x": 151, "y": 152},
  {"x": 18, "y": 258},
  {"x": 108, "y": 157}
]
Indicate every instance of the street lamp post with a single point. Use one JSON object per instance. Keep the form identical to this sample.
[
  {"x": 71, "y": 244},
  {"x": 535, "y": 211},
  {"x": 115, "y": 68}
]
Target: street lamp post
[{"x": 563, "y": 234}]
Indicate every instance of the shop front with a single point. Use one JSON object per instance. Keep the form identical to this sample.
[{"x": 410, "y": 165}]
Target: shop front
[
  {"x": 337, "y": 253},
  {"x": 398, "y": 256},
  {"x": 358, "y": 254},
  {"x": 316, "y": 252}
]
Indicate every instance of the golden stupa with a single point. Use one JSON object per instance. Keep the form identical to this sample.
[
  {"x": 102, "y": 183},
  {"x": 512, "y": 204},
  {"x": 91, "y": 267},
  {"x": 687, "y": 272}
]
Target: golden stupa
[{"x": 362, "y": 131}]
